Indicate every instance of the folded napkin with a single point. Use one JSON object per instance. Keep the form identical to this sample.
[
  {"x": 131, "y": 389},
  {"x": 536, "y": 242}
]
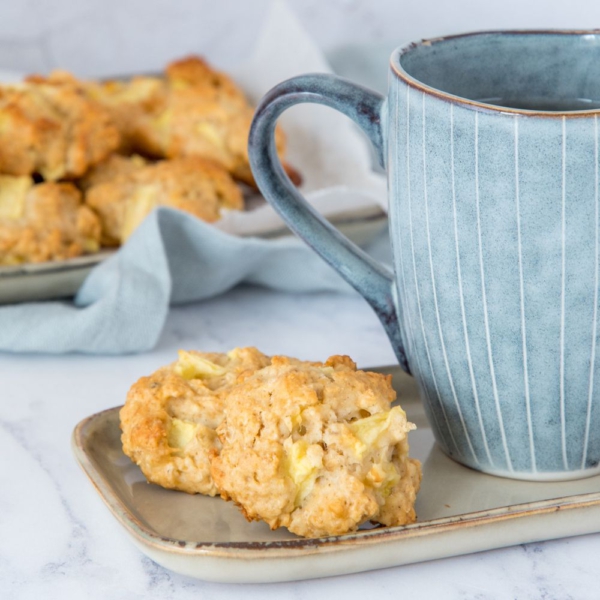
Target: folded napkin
[{"x": 172, "y": 258}]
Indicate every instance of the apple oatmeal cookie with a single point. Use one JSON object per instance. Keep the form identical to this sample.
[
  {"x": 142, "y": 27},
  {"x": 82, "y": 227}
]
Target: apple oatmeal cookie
[
  {"x": 124, "y": 190},
  {"x": 193, "y": 110},
  {"x": 45, "y": 221},
  {"x": 169, "y": 418},
  {"x": 317, "y": 448},
  {"x": 50, "y": 127}
]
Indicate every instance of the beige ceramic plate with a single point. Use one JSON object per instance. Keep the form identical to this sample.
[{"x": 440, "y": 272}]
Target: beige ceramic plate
[
  {"x": 62, "y": 279},
  {"x": 460, "y": 511}
]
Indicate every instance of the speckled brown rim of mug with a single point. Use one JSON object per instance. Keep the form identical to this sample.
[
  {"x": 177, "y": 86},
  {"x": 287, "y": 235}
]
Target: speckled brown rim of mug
[{"x": 482, "y": 106}]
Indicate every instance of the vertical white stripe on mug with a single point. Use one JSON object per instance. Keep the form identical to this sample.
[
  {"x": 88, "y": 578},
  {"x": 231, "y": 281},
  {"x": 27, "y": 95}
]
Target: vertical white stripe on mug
[
  {"x": 483, "y": 292},
  {"x": 586, "y": 439},
  {"x": 412, "y": 247},
  {"x": 522, "y": 301},
  {"x": 461, "y": 293},
  {"x": 435, "y": 302},
  {"x": 405, "y": 278}
]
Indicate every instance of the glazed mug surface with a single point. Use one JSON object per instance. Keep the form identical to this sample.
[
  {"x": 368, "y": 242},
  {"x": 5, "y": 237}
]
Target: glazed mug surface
[{"x": 490, "y": 143}]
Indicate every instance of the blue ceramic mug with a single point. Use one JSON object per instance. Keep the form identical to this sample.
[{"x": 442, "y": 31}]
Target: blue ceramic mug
[{"x": 490, "y": 142}]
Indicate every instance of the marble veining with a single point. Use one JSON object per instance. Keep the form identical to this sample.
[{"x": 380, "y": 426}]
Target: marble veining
[{"x": 57, "y": 540}]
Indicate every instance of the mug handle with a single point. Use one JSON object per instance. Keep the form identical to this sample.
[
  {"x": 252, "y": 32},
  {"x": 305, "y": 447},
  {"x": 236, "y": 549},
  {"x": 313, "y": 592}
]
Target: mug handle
[{"x": 374, "y": 282}]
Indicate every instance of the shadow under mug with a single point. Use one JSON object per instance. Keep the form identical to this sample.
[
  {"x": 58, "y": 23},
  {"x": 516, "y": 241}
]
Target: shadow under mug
[{"x": 490, "y": 143}]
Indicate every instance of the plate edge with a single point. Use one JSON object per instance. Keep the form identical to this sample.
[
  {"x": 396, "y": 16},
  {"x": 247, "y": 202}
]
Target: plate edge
[{"x": 304, "y": 546}]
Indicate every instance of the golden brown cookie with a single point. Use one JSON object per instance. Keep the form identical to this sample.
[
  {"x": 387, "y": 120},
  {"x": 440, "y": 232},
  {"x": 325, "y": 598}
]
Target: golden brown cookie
[
  {"x": 133, "y": 105},
  {"x": 50, "y": 127},
  {"x": 195, "y": 72},
  {"x": 193, "y": 110},
  {"x": 317, "y": 448},
  {"x": 129, "y": 190},
  {"x": 112, "y": 167},
  {"x": 43, "y": 222},
  {"x": 170, "y": 417}
]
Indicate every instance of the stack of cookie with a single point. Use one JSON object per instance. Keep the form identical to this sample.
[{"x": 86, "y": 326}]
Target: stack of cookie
[
  {"x": 82, "y": 163},
  {"x": 314, "y": 447},
  {"x": 50, "y": 135}
]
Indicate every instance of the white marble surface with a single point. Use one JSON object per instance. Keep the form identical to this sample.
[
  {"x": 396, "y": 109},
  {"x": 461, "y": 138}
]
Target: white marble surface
[{"x": 57, "y": 540}]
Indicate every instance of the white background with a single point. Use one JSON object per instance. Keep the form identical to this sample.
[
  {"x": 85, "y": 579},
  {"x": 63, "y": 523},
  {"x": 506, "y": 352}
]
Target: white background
[{"x": 99, "y": 37}]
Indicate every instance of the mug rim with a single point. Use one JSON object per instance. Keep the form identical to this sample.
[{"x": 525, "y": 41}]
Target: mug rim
[{"x": 411, "y": 81}]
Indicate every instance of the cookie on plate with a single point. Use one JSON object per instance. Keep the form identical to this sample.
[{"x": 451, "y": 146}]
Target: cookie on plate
[
  {"x": 193, "y": 110},
  {"x": 112, "y": 167},
  {"x": 169, "y": 418},
  {"x": 124, "y": 190},
  {"x": 317, "y": 448},
  {"x": 48, "y": 126},
  {"x": 45, "y": 221}
]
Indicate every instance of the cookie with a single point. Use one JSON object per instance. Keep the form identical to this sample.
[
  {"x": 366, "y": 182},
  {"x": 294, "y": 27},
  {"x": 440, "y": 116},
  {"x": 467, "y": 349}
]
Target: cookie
[
  {"x": 316, "y": 448},
  {"x": 123, "y": 191},
  {"x": 169, "y": 419},
  {"x": 194, "y": 110},
  {"x": 112, "y": 167},
  {"x": 48, "y": 126},
  {"x": 46, "y": 221}
]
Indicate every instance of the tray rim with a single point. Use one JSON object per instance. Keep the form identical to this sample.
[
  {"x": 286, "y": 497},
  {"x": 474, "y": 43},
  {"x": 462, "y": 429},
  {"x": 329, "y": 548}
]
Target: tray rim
[
  {"x": 52, "y": 280},
  {"x": 309, "y": 546},
  {"x": 363, "y": 216},
  {"x": 85, "y": 261}
]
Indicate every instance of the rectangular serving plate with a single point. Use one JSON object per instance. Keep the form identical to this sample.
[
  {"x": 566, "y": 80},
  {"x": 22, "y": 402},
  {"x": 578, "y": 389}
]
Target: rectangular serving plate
[{"x": 460, "y": 511}]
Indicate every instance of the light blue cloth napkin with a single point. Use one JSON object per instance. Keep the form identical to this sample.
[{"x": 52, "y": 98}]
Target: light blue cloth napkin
[{"x": 172, "y": 258}]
